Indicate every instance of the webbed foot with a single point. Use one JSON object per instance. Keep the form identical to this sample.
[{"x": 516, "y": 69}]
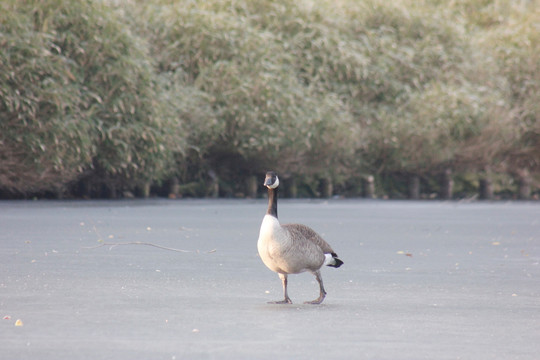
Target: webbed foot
[
  {"x": 284, "y": 301},
  {"x": 315, "y": 302}
]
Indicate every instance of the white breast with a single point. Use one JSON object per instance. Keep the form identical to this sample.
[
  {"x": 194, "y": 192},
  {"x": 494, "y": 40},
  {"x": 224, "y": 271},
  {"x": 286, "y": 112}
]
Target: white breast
[{"x": 269, "y": 241}]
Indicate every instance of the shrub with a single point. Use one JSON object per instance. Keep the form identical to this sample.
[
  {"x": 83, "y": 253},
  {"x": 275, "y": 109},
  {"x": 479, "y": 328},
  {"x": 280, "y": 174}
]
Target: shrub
[
  {"x": 46, "y": 137},
  {"x": 89, "y": 104}
]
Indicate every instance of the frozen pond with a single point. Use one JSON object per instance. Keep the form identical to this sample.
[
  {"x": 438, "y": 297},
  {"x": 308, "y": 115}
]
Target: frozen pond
[{"x": 421, "y": 280}]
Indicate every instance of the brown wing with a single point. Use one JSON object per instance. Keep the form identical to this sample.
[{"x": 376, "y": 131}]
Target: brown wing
[{"x": 310, "y": 234}]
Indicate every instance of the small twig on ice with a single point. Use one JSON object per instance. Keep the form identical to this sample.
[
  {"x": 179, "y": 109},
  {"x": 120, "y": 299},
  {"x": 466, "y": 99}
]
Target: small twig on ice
[{"x": 146, "y": 243}]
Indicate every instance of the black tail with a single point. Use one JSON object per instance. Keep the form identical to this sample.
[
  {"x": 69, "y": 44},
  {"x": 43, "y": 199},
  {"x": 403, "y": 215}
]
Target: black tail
[{"x": 337, "y": 262}]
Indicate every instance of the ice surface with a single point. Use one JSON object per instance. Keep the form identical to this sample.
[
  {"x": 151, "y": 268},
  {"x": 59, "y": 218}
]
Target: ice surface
[{"x": 421, "y": 280}]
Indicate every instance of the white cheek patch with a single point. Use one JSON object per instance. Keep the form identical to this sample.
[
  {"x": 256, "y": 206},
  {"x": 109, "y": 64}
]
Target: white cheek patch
[
  {"x": 328, "y": 259},
  {"x": 275, "y": 184}
]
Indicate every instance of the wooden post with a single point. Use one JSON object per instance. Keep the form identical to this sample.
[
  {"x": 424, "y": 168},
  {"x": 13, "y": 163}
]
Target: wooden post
[
  {"x": 85, "y": 188},
  {"x": 485, "y": 187},
  {"x": 174, "y": 188},
  {"x": 447, "y": 184},
  {"x": 414, "y": 187},
  {"x": 524, "y": 184},
  {"x": 213, "y": 188},
  {"x": 251, "y": 186},
  {"x": 293, "y": 187},
  {"x": 112, "y": 190},
  {"x": 368, "y": 187},
  {"x": 327, "y": 188},
  {"x": 145, "y": 190}
]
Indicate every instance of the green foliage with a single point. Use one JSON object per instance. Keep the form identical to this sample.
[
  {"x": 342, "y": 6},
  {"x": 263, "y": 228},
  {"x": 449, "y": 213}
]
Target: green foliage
[
  {"x": 80, "y": 94},
  {"x": 125, "y": 93},
  {"x": 46, "y": 135},
  {"x": 516, "y": 47},
  {"x": 267, "y": 116},
  {"x": 116, "y": 76},
  {"x": 441, "y": 127}
]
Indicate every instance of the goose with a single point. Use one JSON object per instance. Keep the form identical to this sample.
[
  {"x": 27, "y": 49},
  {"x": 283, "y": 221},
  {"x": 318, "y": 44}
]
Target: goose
[{"x": 292, "y": 248}]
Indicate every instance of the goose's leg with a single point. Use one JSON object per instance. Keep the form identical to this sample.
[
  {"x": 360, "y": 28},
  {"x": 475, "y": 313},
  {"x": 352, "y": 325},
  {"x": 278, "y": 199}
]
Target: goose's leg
[
  {"x": 322, "y": 294},
  {"x": 287, "y": 300}
]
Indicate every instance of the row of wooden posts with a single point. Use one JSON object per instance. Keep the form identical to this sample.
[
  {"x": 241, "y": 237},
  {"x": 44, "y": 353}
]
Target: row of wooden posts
[
  {"x": 253, "y": 188},
  {"x": 485, "y": 187}
]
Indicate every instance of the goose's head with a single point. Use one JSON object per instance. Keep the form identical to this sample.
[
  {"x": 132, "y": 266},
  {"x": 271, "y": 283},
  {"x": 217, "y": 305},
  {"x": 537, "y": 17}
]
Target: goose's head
[{"x": 271, "y": 181}]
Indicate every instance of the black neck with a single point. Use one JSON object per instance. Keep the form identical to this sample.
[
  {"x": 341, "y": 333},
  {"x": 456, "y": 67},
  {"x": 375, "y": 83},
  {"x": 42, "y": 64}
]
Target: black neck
[{"x": 272, "y": 202}]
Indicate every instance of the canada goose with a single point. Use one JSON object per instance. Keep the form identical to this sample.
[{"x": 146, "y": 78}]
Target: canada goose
[{"x": 292, "y": 248}]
